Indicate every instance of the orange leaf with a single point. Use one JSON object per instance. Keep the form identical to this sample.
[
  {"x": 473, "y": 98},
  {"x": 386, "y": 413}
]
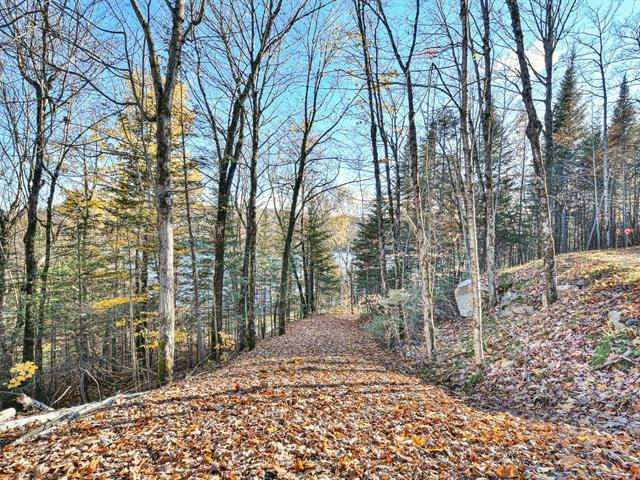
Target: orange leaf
[
  {"x": 507, "y": 471},
  {"x": 299, "y": 465}
]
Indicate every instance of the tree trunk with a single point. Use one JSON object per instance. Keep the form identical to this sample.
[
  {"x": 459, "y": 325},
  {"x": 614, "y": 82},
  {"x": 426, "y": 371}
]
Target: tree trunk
[
  {"x": 283, "y": 294},
  {"x": 247, "y": 337},
  {"x": 533, "y": 130},
  {"x": 44, "y": 275},
  {"x": 382, "y": 259},
  {"x": 5, "y": 357},
  {"x": 31, "y": 265},
  {"x": 252, "y": 227},
  {"x": 606, "y": 180},
  {"x": 227, "y": 169},
  {"x": 164, "y": 207},
  {"x": 469, "y": 192},
  {"x": 195, "y": 279},
  {"x": 164, "y": 89},
  {"x": 487, "y": 135}
]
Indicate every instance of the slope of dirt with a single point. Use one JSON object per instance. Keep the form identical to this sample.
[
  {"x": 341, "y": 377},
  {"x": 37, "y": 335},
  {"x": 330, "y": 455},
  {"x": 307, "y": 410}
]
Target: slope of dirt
[
  {"x": 317, "y": 403},
  {"x": 564, "y": 362}
]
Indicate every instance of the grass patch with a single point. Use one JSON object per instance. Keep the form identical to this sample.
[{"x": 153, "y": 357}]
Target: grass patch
[{"x": 609, "y": 345}]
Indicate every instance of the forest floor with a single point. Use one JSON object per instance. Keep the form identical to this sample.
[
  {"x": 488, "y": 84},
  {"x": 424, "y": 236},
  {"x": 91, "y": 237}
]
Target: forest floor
[
  {"x": 321, "y": 402},
  {"x": 565, "y": 362}
]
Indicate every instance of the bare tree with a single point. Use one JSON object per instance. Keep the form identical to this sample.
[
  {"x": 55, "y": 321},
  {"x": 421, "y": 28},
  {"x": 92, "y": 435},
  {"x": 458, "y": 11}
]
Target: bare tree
[
  {"x": 321, "y": 48},
  {"x": 533, "y": 131},
  {"x": 487, "y": 122},
  {"x": 164, "y": 84},
  {"x": 419, "y": 220},
  {"x": 359, "y": 6},
  {"x": 261, "y": 27},
  {"x": 42, "y": 56},
  {"x": 469, "y": 188},
  {"x": 16, "y": 150},
  {"x": 598, "y": 41},
  {"x": 550, "y": 24},
  {"x": 195, "y": 276}
]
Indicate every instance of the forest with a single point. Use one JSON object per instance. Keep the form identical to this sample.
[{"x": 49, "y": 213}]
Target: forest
[{"x": 184, "y": 181}]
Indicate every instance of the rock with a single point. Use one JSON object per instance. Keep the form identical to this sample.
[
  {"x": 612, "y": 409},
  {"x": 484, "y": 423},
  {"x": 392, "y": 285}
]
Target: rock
[
  {"x": 464, "y": 297},
  {"x": 613, "y": 318},
  {"x": 519, "y": 309},
  {"x": 563, "y": 291},
  {"x": 509, "y": 305},
  {"x": 580, "y": 283},
  {"x": 632, "y": 322},
  {"x": 508, "y": 298},
  {"x": 566, "y": 290}
]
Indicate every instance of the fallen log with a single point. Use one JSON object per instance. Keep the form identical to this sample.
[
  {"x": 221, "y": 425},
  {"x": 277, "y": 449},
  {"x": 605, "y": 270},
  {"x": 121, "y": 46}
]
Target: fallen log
[
  {"x": 54, "y": 423},
  {"x": 27, "y": 403},
  {"x": 30, "y": 420},
  {"x": 48, "y": 421},
  {"x": 7, "y": 414}
]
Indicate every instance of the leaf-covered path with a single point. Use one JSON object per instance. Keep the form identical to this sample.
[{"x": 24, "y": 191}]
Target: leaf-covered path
[{"x": 317, "y": 403}]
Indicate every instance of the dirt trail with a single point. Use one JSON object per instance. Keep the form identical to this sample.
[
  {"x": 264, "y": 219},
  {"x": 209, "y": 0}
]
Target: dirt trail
[{"x": 317, "y": 403}]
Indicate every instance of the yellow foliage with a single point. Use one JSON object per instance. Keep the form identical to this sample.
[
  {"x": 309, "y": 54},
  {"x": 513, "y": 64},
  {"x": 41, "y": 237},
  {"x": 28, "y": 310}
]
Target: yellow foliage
[
  {"x": 181, "y": 336},
  {"x": 226, "y": 342},
  {"x": 110, "y": 303},
  {"x": 20, "y": 373},
  {"x": 152, "y": 342}
]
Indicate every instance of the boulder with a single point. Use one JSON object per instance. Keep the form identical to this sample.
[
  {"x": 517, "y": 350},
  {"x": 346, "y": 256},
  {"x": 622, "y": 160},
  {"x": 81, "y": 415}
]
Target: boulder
[
  {"x": 508, "y": 298},
  {"x": 566, "y": 290},
  {"x": 614, "y": 319},
  {"x": 464, "y": 297},
  {"x": 563, "y": 291},
  {"x": 519, "y": 309}
]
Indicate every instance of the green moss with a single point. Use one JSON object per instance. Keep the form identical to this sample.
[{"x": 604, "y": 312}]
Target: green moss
[
  {"x": 473, "y": 381},
  {"x": 522, "y": 284},
  {"x": 632, "y": 277},
  {"x": 602, "y": 271},
  {"x": 608, "y": 345},
  {"x": 504, "y": 281}
]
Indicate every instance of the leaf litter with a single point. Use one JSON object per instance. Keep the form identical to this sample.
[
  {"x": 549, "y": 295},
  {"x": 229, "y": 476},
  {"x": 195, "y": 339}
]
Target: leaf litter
[{"x": 322, "y": 402}]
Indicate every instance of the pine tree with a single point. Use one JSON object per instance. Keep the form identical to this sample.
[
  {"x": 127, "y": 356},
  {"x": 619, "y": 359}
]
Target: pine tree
[
  {"x": 623, "y": 119},
  {"x": 623, "y": 144},
  {"x": 568, "y": 134},
  {"x": 366, "y": 263}
]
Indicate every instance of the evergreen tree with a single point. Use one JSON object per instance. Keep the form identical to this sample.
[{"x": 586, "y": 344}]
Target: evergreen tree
[
  {"x": 365, "y": 256},
  {"x": 322, "y": 275},
  {"x": 624, "y": 145},
  {"x": 623, "y": 119},
  {"x": 568, "y": 134}
]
